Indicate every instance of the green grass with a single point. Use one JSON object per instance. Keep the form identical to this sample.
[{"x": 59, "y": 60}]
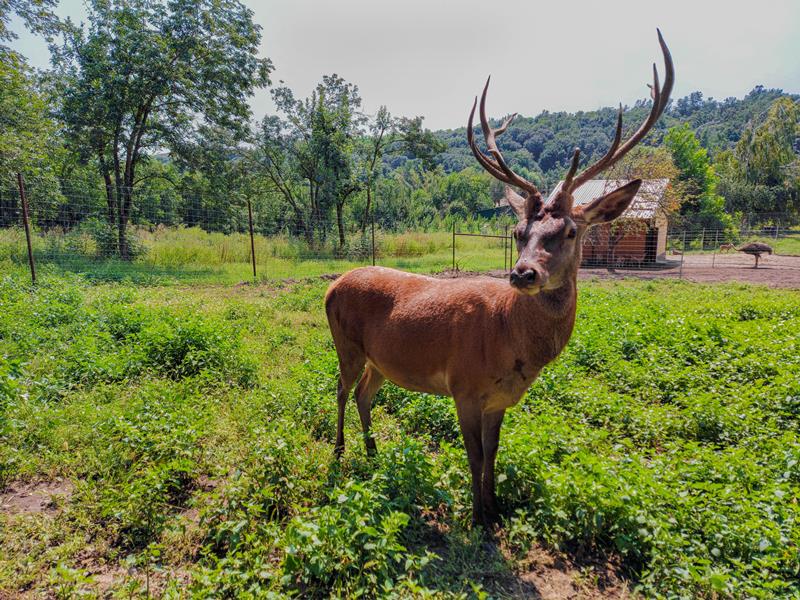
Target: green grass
[
  {"x": 196, "y": 426},
  {"x": 196, "y": 256}
]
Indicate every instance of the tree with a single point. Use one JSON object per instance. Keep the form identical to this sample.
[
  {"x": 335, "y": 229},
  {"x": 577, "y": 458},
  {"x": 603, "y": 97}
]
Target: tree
[
  {"x": 381, "y": 130},
  {"x": 697, "y": 181},
  {"x": 144, "y": 73},
  {"x": 37, "y": 15},
  {"x": 647, "y": 162},
  {"x": 762, "y": 174},
  {"x": 418, "y": 142},
  {"x": 768, "y": 152},
  {"x": 216, "y": 172},
  {"x": 25, "y": 130},
  {"x": 309, "y": 155},
  {"x": 28, "y": 143}
]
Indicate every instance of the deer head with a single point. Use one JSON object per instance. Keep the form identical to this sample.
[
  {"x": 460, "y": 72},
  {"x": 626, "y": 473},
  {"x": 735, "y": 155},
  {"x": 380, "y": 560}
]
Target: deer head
[{"x": 548, "y": 236}]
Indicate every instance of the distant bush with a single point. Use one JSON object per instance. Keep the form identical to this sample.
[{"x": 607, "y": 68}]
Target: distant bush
[{"x": 188, "y": 345}]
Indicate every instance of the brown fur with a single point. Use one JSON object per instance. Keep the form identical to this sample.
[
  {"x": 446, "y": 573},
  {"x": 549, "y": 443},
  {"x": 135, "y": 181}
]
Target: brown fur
[{"x": 480, "y": 340}]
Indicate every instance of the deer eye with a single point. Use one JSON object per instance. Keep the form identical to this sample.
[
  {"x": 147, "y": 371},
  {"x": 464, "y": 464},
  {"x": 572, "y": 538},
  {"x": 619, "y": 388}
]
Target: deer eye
[{"x": 572, "y": 233}]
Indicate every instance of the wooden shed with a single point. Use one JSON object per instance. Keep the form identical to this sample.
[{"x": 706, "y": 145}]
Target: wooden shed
[{"x": 638, "y": 237}]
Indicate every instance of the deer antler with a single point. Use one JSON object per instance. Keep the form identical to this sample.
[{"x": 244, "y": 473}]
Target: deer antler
[
  {"x": 497, "y": 166},
  {"x": 660, "y": 96}
]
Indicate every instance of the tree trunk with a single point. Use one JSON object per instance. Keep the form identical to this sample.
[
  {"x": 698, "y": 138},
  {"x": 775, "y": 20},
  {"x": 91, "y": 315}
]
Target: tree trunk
[
  {"x": 122, "y": 226},
  {"x": 110, "y": 200},
  {"x": 340, "y": 225},
  {"x": 366, "y": 220}
]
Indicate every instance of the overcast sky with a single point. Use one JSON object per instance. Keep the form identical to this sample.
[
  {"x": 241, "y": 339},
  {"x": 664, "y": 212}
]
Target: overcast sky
[{"x": 430, "y": 57}]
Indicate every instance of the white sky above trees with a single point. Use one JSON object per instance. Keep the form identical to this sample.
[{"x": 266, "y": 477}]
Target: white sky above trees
[{"x": 431, "y": 57}]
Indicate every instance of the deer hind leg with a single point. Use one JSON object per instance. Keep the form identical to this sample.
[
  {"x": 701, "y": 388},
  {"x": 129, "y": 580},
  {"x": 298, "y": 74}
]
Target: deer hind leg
[
  {"x": 490, "y": 436},
  {"x": 351, "y": 362},
  {"x": 370, "y": 382},
  {"x": 469, "y": 419}
]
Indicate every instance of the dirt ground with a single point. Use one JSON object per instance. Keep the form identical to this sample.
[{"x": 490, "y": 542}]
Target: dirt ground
[
  {"x": 773, "y": 271},
  {"x": 34, "y": 498}
]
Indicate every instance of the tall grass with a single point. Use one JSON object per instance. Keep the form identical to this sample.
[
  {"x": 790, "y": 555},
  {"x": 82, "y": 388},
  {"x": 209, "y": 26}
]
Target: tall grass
[{"x": 196, "y": 254}]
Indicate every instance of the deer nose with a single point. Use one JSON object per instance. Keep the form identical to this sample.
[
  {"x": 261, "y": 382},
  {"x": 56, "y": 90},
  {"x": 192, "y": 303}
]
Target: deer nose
[{"x": 523, "y": 277}]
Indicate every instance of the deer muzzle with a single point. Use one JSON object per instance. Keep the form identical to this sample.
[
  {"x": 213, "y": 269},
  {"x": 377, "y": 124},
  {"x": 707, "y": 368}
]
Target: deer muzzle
[{"x": 528, "y": 278}]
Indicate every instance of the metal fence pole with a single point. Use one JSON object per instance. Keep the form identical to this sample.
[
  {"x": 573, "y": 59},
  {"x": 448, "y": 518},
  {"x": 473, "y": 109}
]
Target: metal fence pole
[
  {"x": 683, "y": 254},
  {"x": 505, "y": 248},
  {"x": 454, "y": 245},
  {"x": 373, "y": 239},
  {"x": 252, "y": 237},
  {"x": 24, "y": 201}
]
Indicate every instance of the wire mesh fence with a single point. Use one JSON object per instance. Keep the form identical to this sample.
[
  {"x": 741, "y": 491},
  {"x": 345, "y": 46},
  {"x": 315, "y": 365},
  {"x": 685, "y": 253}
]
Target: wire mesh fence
[
  {"x": 77, "y": 226},
  {"x": 643, "y": 251}
]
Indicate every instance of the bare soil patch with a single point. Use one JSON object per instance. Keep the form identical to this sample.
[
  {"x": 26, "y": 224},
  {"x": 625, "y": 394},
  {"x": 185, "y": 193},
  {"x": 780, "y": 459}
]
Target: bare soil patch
[
  {"x": 557, "y": 577},
  {"x": 34, "y": 498}
]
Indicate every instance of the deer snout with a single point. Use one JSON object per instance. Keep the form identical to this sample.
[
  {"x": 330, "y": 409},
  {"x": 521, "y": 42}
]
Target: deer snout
[{"x": 527, "y": 277}]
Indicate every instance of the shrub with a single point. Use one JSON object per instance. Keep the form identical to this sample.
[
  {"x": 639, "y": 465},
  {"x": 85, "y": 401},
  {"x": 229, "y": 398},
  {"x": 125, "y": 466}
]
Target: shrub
[{"x": 180, "y": 346}]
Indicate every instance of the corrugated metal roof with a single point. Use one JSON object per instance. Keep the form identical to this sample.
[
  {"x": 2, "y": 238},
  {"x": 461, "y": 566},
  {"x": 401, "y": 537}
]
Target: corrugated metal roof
[{"x": 644, "y": 205}]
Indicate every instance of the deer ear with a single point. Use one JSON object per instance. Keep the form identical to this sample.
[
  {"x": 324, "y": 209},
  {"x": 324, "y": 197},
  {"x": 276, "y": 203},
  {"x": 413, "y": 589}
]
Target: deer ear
[
  {"x": 524, "y": 208},
  {"x": 609, "y": 207},
  {"x": 516, "y": 202}
]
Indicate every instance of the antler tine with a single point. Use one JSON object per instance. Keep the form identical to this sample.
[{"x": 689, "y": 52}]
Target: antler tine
[
  {"x": 660, "y": 95},
  {"x": 573, "y": 167},
  {"x": 485, "y": 162},
  {"x": 499, "y": 164},
  {"x": 490, "y": 135}
]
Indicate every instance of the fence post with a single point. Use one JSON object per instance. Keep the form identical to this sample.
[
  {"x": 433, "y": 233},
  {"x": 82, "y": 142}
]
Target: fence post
[
  {"x": 454, "y": 245},
  {"x": 24, "y": 201},
  {"x": 777, "y": 227},
  {"x": 373, "y": 239},
  {"x": 683, "y": 254},
  {"x": 252, "y": 238},
  {"x": 703, "y": 240},
  {"x": 505, "y": 247}
]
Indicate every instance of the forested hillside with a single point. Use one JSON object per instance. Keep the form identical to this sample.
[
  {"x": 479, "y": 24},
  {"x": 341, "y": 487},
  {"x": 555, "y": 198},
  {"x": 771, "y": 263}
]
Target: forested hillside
[{"x": 542, "y": 145}]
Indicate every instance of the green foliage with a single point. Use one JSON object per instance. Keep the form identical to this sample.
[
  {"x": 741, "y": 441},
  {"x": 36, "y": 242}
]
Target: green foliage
[
  {"x": 763, "y": 173},
  {"x": 37, "y": 15},
  {"x": 26, "y": 132},
  {"x": 350, "y": 547},
  {"x": 697, "y": 180},
  {"x": 665, "y": 435},
  {"x": 155, "y": 84}
]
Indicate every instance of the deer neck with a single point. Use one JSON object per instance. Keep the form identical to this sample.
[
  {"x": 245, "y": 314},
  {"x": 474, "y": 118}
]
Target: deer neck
[{"x": 545, "y": 321}]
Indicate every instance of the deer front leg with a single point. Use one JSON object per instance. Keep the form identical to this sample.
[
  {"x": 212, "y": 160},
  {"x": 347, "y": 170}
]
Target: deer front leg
[
  {"x": 490, "y": 434},
  {"x": 469, "y": 418}
]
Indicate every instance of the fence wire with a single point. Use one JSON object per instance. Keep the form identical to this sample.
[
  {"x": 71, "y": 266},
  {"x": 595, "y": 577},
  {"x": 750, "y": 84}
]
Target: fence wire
[{"x": 75, "y": 226}]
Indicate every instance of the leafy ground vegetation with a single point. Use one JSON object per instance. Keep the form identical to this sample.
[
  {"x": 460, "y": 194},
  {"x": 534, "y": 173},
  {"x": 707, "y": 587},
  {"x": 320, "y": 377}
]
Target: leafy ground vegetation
[{"x": 189, "y": 433}]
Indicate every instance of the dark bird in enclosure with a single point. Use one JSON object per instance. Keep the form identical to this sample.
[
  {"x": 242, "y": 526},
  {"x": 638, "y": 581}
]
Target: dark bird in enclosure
[{"x": 755, "y": 249}]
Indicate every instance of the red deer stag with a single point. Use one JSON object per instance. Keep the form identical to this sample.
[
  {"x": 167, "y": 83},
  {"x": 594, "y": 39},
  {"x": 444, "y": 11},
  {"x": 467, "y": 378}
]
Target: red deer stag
[{"x": 479, "y": 340}]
